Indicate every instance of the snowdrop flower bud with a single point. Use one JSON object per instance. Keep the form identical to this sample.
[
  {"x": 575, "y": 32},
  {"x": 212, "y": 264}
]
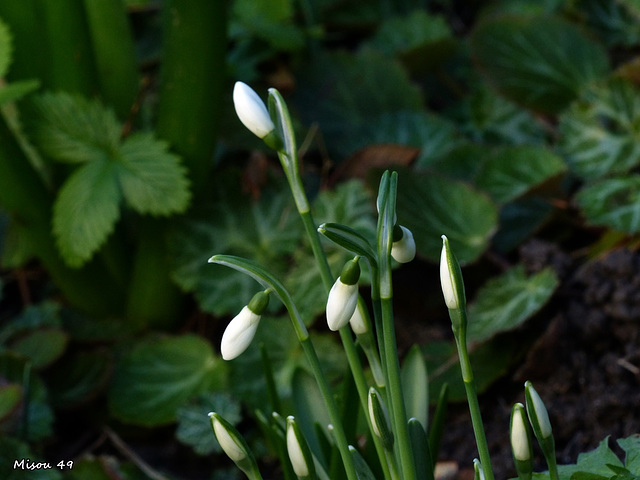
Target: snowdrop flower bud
[
  {"x": 241, "y": 330},
  {"x": 521, "y": 442},
  {"x": 451, "y": 278},
  {"x": 343, "y": 297},
  {"x": 403, "y": 250},
  {"x": 298, "y": 450},
  {"x": 379, "y": 417},
  {"x": 538, "y": 415},
  {"x": 228, "y": 437},
  {"x": 253, "y": 113},
  {"x": 478, "y": 471},
  {"x": 358, "y": 323}
]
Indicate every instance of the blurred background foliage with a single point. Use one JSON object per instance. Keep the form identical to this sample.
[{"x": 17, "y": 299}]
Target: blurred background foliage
[{"x": 123, "y": 168}]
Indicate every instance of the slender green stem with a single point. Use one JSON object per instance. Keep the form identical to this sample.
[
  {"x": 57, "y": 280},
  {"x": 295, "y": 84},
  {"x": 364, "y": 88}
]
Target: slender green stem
[
  {"x": 474, "y": 406},
  {"x": 334, "y": 414},
  {"x": 394, "y": 390}
]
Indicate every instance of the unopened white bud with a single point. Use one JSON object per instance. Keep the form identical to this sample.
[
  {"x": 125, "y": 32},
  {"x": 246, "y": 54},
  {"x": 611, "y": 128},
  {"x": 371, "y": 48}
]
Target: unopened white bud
[
  {"x": 294, "y": 449},
  {"x": 519, "y": 435},
  {"x": 404, "y": 250},
  {"x": 229, "y": 444},
  {"x": 239, "y": 333},
  {"x": 251, "y": 110}
]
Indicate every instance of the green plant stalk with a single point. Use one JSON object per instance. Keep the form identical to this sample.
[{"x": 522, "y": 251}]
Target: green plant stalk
[
  {"x": 70, "y": 64},
  {"x": 472, "y": 395},
  {"x": 387, "y": 201},
  {"x": 114, "y": 53},
  {"x": 27, "y": 201},
  {"x": 27, "y": 59},
  {"x": 154, "y": 300},
  {"x": 191, "y": 82}
]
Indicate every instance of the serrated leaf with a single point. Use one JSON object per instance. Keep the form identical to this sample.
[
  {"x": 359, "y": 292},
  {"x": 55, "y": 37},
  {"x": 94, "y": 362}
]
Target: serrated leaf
[
  {"x": 600, "y": 134},
  {"x": 69, "y": 128},
  {"x": 42, "y": 347},
  {"x": 512, "y": 171},
  {"x": 631, "y": 447},
  {"x": 431, "y": 206},
  {"x": 330, "y": 99},
  {"x": 194, "y": 427},
  {"x": 6, "y": 48},
  {"x": 79, "y": 377},
  {"x": 614, "y": 203},
  {"x": 158, "y": 375},
  {"x": 539, "y": 62},
  {"x": 507, "y": 301},
  {"x": 16, "y": 90},
  {"x": 615, "y": 23},
  {"x": 265, "y": 231},
  {"x": 152, "y": 179},
  {"x": 85, "y": 211}
]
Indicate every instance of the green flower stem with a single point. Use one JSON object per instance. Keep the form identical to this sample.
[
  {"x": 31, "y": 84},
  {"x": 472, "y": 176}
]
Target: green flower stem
[
  {"x": 394, "y": 391},
  {"x": 472, "y": 395}
]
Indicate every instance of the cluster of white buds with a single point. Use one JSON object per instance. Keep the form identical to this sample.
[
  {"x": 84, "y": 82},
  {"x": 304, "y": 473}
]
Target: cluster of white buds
[
  {"x": 253, "y": 113},
  {"x": 343, "y": 296},
  {"x": 241, "y": 330}
]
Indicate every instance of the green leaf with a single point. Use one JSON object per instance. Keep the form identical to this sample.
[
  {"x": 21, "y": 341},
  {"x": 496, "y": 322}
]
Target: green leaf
[
  {"x": 614, "y": 22},
  {"x": 85, "y": 211},
  {"x": 6, "y": 48},
  {"x": 11, "y": 450},
  {"x": 600, "y": 134},
  {"x": 10, "y": 398},
  {"x": 157, "y": 377},
  {"x": 69, "y": 128},
  {"x": 431, "y": 206},
  {"x": 16, "y": 90},
  {"x": 631, "y": 447},
  {"x": 505, "y": 302},
  {"x": 523, "y": 217},
  {"x": 415, "y": 386},
  {"x": 539, "y": 62},
  {"x": 42, "y": 347},
  {"x": 613, "y": 203},
  {"x": 79, "y": 377},
  {"x": 512, "y": 171},
  {"x": 265, "y": 231},
  {"x": 342, "y": 111},
  {"x": 152, "y": 179},
  {"x": 194, "y": 427}
]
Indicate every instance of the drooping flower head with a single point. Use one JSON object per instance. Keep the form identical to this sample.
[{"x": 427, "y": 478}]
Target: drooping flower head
[
  {"x": 241, "y": 330},
  {"x": 343, "y": 297}
]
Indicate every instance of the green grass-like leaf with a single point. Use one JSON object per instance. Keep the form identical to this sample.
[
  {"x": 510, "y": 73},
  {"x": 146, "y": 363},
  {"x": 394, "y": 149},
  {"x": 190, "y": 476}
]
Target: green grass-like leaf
[
  {"x": 152, "y": 179},
  {"x": 86, "y": 211},
  {"x": 6, "y": 48}
]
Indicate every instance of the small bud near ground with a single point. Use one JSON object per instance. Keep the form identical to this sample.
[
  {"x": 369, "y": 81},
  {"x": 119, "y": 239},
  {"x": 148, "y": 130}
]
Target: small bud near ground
[
  {"x": 240, "y": 332},
  {"x": 343, "y": 297},
  {"x": 379, "y": 417},
  {"x": 228, "y": 438},
  {"x": 403, "y": 248},
  {"x": 520, "y": 437},
  {"x": 298, "y": 450}
]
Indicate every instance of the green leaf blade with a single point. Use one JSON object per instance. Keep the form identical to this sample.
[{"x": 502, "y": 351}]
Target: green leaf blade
[
  {"x": 85, "y": 212},
  {"x": 614, "y": 203},
  {"x": 539, "y": 62},
  {"x": 152, "y": 179}
]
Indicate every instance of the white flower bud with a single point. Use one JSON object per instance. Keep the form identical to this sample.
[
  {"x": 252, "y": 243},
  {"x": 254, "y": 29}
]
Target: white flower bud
[
  {"x": 294, "y": 449},
  {"x": 231, "y": 445},
  {"x": 450, "y": 277},
  {"x": 341, "y": 304},
  {"x": 251, "y": 110},
  {"x": 519, "y": 435},
  {"x": 539, "y": 417},
  {"x": 239, "y": 333},
  {"x": 404, "y": 250},
  {"x": 357, "y": 322}
]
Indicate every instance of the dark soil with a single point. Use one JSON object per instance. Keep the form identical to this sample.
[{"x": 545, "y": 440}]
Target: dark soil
[{"x": 585, "y": 364}]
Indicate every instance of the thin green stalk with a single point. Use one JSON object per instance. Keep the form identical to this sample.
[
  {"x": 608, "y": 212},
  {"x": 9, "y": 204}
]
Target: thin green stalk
[
  {"x": 394, "y": 389},
  {"x": 334, "y": 414},
  {"x": 474, "y": 406}
]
